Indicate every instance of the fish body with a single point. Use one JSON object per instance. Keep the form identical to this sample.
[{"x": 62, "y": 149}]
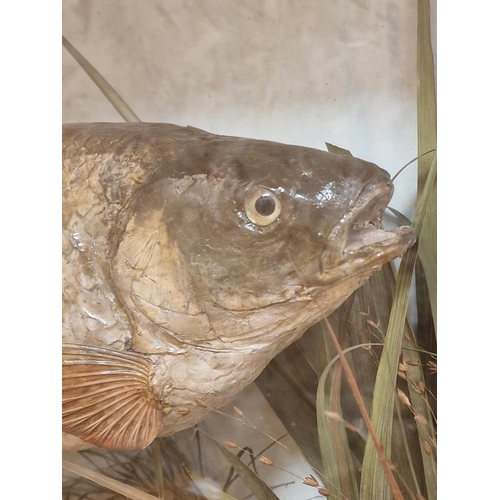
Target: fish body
[{"x": 191, "y": 259}]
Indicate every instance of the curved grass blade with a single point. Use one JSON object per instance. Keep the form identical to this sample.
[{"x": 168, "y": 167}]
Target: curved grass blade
[
  {"x": 206, "y": 487},
  {"x": 210, "y": 490},
  {"x": 401, "y": 218},
  {"x": 118, "y": 103},
  {"x": 373, "y": 481},
  {"x": 258, "y": 487},
  {"x": 409, "y": 163},
  {"x": 338, "y": 434},
  {"x": 330, "y": 458},
  {"x": 107, "y": 482}
]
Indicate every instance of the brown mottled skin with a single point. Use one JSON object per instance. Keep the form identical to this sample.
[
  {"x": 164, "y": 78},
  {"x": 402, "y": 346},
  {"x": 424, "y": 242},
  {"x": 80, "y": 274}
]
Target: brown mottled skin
[{"x": 161, "y": 257}]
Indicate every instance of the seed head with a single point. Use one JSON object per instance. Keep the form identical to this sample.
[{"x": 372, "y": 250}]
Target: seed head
[
  {"x": 403, "y": 398},
  {"x": 420, "y": 419},
  {"x": 427, "y": 448},
  {"x": 374, "y": 325},
  {"x": 239, "y": 412},
  {"x": 311, "y": 481},
  {"x": 265, "y": 460},
  {"x": 432, "y": 366},
  {"x": 334, "y": 416}
]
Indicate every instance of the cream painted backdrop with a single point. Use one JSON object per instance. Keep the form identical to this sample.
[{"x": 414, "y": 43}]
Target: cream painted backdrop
[{"x": 295, "y": 71}]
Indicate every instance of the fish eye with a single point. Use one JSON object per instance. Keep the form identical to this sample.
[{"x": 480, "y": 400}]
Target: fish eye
[{"x": 262, "y": 206}]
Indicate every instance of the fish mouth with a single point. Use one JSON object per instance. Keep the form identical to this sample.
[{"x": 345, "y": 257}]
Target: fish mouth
[{"x": 358, "y": 243}]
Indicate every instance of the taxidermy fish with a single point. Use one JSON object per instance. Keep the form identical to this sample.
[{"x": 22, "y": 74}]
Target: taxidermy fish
[{"x": 190, "y": 260}]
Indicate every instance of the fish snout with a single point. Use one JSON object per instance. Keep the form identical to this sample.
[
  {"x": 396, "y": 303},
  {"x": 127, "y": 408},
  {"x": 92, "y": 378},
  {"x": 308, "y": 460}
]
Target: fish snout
[{"x": 357, "y": 242}]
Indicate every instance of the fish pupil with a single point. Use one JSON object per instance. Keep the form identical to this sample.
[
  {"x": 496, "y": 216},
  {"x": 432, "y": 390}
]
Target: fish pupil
[{"x": 265, "y": 205}]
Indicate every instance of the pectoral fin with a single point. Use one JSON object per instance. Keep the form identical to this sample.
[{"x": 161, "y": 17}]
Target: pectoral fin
[{"x": 107, "y": 397}]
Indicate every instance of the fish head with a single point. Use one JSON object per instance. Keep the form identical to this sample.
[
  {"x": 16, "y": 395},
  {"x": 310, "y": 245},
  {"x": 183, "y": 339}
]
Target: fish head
[
  {"x": 261, "y": 229},
  {"x": 285, "y": 219}
]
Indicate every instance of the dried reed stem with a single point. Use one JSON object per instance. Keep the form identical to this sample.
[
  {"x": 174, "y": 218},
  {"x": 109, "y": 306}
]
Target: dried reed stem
[{"x": 386, "y": 464}]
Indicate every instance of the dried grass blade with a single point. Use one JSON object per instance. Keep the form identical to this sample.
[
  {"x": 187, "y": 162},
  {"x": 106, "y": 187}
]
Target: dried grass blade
[
  {"x": 107, "y": 482},
  {"x": 421, "y": 406},
  {"x": 402, "y": 435},
  {"x": 373, "y": 481},
  {"x": 118, "y": 103},
  {"x": 209, "y": 489},
  {"x": 328, "y": 456},
  {"x": 258, "y": 487},
  {"x": 155, "y": 445},
  {"x": 340, "y": 443},
  {"x": 427, "y": 139},
  {"x": 339, "y": 439},
  {"x": 427, "y": 284},
  {"x": 403, "y": 220},
  {"x": 330, "y": 468},
  {"x": 289, "y": 384},
  {"x": 426, "y": 94},
  {"x": 405, "y": 447}
]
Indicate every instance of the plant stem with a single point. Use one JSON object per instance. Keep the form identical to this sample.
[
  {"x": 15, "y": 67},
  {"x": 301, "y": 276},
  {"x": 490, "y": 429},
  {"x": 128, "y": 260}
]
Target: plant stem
[{"x": 386, "y": 464}]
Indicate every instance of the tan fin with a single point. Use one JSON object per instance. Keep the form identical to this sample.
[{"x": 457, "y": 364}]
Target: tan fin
[{"x": 107, "y": 397}]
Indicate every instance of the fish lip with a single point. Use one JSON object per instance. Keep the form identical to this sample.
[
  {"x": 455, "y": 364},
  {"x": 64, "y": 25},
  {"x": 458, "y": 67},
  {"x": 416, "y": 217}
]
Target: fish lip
[
  {"x": 358, "y": 242},
  {"x": 366, "y": 250}
]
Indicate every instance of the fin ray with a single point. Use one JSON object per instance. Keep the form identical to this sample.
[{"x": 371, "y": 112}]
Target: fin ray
[{"x": 107, "y": 397}]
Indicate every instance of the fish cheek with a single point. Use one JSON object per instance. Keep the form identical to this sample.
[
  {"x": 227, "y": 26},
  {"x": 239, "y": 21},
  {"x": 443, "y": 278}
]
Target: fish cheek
[
  {"x": 148, "y": 265},
  {"x": 231, "y": 262},
  {"x": 243, "y": 280},
  {"x": 204, "y": 224},
  {"x": 149, "y": 270},
  {"x": 243, "y": 269}
]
